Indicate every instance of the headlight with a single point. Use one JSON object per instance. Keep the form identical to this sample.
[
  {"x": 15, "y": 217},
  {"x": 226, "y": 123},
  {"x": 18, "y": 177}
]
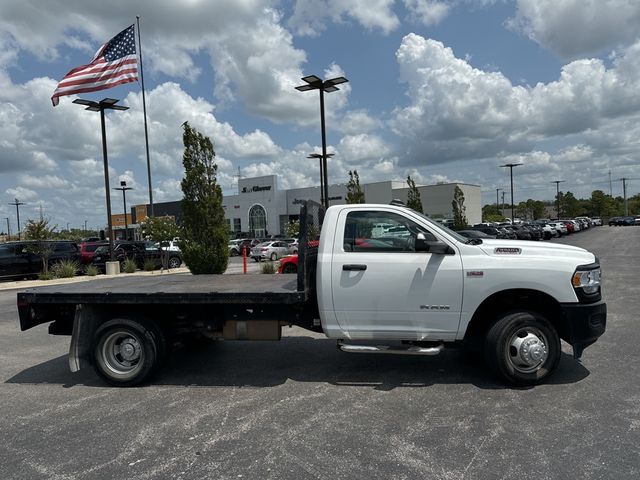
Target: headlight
[{"x": 587, "y": 281}]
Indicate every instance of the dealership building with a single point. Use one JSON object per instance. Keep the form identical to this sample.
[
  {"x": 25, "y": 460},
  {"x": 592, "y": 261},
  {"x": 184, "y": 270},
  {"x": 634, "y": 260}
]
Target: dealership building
[{"x": 261, "y": 209}]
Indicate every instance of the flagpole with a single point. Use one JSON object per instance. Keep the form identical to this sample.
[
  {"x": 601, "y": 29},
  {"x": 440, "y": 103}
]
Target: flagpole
[{"x": 144, "y": 109}]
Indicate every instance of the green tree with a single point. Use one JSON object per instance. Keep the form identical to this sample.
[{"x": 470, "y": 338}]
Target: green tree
[
  {"x": 569, "y": 205},
  {"x": 459, "y": 210},
  {"x": 601, "y": 204},
  {"x": 634, "y": 204},
  {"x": 531, "y": 209},
  {"x": 293, "y": 228},
  {"x": 205, "y": 233},
  {"x": 39, "y": 231},
  {"x": 491, "y": 213},
  {"x": 413, "y": 197},
  {"x": 354, "y": 191},
  {"x": 161, "y": 230}
]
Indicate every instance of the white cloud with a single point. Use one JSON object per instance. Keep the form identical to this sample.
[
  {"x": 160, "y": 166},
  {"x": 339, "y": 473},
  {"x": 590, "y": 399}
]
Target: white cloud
[
  {"x": 428, "y": 12},
  {"x": 457, "y": 111},
  {"x": 309, "y": 16},
  {"x": 571, "y": 28}
]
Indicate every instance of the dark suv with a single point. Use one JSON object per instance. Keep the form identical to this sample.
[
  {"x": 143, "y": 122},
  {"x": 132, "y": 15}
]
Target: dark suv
[
  {"x": 140, "y": 252},
  {"x": 17, "y": 259}
]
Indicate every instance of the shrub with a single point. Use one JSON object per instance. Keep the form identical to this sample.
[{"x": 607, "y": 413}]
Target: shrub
[
  {"x": 45, "y": 276},
  {"x": 149, "y": 265},
  {"x": 269, "y": 267},
  {"x": 65, "y": 269},
  {"x": 91, "y": 270},
  {"x": 129, "y": 266}
]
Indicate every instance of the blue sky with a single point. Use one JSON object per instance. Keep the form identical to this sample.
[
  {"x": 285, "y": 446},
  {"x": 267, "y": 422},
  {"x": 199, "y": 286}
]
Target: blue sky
[{"x": 442, "y": 90}]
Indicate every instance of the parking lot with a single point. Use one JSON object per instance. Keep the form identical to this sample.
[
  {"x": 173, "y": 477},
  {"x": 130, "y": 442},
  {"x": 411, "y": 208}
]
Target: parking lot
[{"x": 300, "y": 409}]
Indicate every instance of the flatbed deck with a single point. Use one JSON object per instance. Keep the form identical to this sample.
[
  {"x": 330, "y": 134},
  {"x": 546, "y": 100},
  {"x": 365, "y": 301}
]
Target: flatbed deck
[{"x": 172, "y": 289}]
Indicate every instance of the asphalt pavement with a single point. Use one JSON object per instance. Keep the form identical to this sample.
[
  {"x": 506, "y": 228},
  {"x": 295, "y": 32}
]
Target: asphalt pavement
[{"x": 299, "y": 408}]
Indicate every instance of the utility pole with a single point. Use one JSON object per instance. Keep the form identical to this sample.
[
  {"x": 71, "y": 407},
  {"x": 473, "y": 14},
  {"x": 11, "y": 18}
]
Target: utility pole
[
  {"x": 8, "y": 229},
  {"x": 502, "y": 209},
  {"x": 610, "y": 186},
  {"x": 558, "y": 182},
  {"x": 17, "y": 203},
  {"x": 624, "y": 195},
  {"x": 497, "y": 199},
  {"x": 511, "y": 165}
]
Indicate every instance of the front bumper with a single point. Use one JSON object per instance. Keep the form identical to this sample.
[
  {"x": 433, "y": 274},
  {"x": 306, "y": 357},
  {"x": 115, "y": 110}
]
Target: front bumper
[{"x": 584, "y": 324}]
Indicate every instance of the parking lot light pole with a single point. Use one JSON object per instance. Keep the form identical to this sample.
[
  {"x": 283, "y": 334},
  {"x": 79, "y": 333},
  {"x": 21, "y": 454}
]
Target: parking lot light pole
[
  {"x": 17, "y": 203},
  {"x": 558, "y": 182},
  {"x": 124, "y": 188},
  {"x": 319, "y": 157},
  {"x": 316, "y": 83},
  {"x": 498, "y": 200},
  {"x": 101, "y": 106},
  {"x": 511, "y": 165}
]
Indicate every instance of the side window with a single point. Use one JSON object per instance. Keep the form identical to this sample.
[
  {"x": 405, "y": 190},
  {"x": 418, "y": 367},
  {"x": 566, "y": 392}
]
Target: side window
[
  {"x": 7, "y": 251},
  {"x": 370, "y": 231}
]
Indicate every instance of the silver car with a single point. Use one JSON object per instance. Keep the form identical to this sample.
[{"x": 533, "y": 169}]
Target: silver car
[{"x": 271, "y": 250}]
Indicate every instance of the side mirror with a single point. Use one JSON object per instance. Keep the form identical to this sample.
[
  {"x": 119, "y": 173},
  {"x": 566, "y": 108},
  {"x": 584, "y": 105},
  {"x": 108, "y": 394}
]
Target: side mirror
[{"x": 422, "y": 245}]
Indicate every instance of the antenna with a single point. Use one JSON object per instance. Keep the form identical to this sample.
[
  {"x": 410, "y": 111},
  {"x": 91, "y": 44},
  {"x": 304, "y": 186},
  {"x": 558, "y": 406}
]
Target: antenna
[{"x": 238, "y": 176}]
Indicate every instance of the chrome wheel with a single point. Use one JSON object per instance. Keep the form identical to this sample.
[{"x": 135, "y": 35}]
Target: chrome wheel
[
  {"x": 527, "y": 349},
  {"x": 121, "y": 353}
]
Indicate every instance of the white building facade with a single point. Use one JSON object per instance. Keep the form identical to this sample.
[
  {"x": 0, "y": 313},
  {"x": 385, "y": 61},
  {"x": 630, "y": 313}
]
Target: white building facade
[{"x": 261, "y": 209}]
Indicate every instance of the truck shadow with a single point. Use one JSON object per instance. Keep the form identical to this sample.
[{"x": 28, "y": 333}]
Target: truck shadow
[{"x": 301, "y": 359}]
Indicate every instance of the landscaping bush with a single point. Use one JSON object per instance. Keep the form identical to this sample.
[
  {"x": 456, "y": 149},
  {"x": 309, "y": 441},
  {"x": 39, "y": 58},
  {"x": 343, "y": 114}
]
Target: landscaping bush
[
  {"x": 149, "y": 265},
  {"x": 269, "y": 267},
  {"x": 129, "y": 266},
  {"x": 91, "y": 270},
  {"x": 65, "y": 269}
]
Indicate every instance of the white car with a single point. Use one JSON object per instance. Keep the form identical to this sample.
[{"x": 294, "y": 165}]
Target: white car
[
  {"x": 560, "y": 227},
  {"x": 272, "y": 250}
]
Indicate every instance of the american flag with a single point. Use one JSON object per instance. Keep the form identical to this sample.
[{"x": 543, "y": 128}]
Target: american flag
[{"x": 114, "y": 63}]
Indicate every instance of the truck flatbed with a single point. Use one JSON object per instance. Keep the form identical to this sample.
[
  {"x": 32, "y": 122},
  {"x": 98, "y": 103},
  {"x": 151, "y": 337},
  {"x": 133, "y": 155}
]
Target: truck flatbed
[{"x": 172, "y": 289}]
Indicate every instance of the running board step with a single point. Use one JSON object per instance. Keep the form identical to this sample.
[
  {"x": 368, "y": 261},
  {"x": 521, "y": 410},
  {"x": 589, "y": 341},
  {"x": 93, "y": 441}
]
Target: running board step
[{"x": 408, "y": 350}]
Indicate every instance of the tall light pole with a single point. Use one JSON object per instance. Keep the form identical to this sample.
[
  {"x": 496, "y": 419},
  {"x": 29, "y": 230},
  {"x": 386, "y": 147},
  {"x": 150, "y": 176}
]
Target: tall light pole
[
  {"x": 17, "y": 203},
  {"x": 624, "y": 193},
  {"x": 558, "y": 182},
  {"x": 8, "y": 229},
  {"x": 511, "y": 165},
  {"x": 124, "y": 188},
  {"x": 322, "y": 182},
  {"x": 498, "y": 200},
  {"x": 316, "y": 83},
  {"x": 101, "y": 106}
]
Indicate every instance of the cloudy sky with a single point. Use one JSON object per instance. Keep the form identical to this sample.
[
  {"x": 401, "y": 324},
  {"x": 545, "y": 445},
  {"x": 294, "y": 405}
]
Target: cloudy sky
[{"x": 442, "y": 90}]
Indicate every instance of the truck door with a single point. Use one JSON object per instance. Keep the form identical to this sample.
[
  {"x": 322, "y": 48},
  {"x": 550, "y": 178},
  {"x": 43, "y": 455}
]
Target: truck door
[{"x": 383, "y": 289}]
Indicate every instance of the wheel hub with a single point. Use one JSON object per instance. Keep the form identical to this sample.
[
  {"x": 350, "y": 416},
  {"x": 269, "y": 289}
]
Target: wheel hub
[
  {"x": 528, "y": 350},
  {"x": 129, "y": 349}
]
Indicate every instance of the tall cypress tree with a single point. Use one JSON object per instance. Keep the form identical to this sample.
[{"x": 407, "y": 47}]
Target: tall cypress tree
[
  {"x": 354, "y": 191},
  {"x": 413, "y": 197},
  {"x": 459, "y": 210},
  {"x": 204, "y": 246}
]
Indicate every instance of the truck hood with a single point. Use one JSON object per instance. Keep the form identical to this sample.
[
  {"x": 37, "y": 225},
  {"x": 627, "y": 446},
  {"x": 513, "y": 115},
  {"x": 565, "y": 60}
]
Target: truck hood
[{"x": 523, "y": 248}]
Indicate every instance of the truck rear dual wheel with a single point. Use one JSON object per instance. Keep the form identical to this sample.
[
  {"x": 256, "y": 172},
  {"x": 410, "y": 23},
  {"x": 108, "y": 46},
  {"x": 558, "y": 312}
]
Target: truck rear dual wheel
[
  {"x": 523, "y": 348},
  {"x": 127, "y": 352}
]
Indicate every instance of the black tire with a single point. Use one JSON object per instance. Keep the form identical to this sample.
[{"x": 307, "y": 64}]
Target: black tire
[
  {"x": 274, "y": 256},
  {"x": 289, "y": 268},
  {"x": 145, "y": 346},
  {"x": 233, "y": 252},
  {"x": 523, "y": 348},
  {"x": 174, "y": 262}
]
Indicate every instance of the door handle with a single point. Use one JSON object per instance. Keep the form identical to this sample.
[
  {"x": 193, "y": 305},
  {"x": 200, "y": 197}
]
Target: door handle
[{"x": 354, "y": 267}]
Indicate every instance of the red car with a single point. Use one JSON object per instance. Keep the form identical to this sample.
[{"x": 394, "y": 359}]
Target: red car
[
  {"x": 87, "y": 249},
  {"x": 288, "y": 264}
]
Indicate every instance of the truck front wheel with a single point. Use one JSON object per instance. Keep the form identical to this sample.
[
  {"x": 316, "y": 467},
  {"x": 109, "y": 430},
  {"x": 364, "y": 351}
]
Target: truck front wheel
[
  {"x": 523, "y": 348},
  {"x": 126, "y": 352}
]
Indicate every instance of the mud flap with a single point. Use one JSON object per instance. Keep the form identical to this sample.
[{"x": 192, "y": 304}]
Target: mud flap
[{"x": 85, "y": 323}]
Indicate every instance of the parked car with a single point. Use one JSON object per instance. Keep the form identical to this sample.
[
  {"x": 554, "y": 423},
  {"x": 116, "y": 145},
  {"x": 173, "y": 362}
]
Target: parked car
[
  {"x": 489, "y": 230},
  {"x": 288, "y": 264},
  {"x": 236, "y": 246},
  {"x": 272, "y": 250},
  {"x": 17, "y": 259},
  {"x": 87, "y": 249},
  {"x": 140, "y": 252},
  {"x": 521, "y": 232}
]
